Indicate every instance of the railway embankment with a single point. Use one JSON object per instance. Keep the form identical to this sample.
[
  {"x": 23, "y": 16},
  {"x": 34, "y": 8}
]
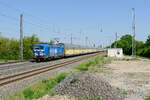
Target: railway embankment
[
  {"x": 18, "y": 86},
  {"x": 128, "y": 78},
  {"x": 99, "y": 79}
]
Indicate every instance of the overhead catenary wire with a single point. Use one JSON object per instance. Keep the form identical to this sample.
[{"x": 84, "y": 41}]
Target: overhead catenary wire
[
  {"x": 43, "y": 27},
  {"x": 22, "y": 11},
  {"x": 25, "y": 21}
]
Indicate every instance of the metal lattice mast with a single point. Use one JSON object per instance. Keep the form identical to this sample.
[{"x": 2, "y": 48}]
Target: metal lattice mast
[
  {"x": 133, "y": 33},
  {"x": 71, "y": 38},
  {"x": 116, "y": 38},
  {"x": 21, "y": 37}
]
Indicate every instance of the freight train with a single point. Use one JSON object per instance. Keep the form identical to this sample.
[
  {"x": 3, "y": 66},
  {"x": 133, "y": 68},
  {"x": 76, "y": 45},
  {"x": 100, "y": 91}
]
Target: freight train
[{"x": 47, "y": 52}]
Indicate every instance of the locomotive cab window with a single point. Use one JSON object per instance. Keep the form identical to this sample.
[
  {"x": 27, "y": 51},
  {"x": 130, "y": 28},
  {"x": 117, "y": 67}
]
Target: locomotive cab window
[{"x": 39, "y": 48}]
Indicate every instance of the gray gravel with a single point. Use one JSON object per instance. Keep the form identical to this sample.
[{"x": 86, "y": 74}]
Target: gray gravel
[
  {"x": 134, "y": 86},
  {"x": 21, "y": 85},
  {"x": 87, "y": 85}
]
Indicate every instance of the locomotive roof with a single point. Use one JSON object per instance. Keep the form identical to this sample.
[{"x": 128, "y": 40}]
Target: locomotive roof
[
  {"x": 67, "y": 46},
  {"x": 41, "y": 45}
]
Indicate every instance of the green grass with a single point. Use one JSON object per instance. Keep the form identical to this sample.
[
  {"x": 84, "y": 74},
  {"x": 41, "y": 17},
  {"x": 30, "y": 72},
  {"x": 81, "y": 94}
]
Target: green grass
[
  {"x": 6, "y": 60},
  {"x": 147, "y": 98},
  {"x": 90, "y": 99},
  {"x": 90, "y": 65},
  {"x": 39, "y": 89},
  {"x": 74, "y": 80},
  {"x": 118, "y": 88},
  {"x": 129, "y": 59},
  {"x": 143, "y": 57},
  {"x": 3, "y": 60},
  {"x": 95, "y": 62}
]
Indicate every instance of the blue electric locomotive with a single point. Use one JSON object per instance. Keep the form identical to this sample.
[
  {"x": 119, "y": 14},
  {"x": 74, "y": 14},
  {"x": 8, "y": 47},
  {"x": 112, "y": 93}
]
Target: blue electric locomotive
[{"x": 47, "y": 52}]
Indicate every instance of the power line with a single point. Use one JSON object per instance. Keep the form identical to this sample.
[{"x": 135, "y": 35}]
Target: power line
[
  {"x": 10, "y": 17},
  {"x": 25, "y": 21},
  {"x": 21, "y": 11},
  {"x": 41, "y": 26}
]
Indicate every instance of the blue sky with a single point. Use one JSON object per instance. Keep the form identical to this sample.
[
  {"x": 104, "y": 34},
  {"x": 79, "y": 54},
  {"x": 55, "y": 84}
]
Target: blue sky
[{"x": 50, "y": 19}]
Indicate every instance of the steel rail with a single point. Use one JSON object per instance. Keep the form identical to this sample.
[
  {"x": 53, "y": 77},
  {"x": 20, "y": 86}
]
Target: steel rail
[{"x": 24, "y": 75}]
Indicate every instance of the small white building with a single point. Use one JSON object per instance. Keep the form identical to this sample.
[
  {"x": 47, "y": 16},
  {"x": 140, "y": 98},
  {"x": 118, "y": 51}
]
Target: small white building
[{"x": 115, "y": 52}]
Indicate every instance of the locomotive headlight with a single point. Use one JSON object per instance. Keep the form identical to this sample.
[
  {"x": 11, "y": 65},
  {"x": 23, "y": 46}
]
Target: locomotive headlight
[{"x": 42, "y": 54}]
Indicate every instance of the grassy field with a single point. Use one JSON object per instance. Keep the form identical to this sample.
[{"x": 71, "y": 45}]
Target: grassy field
[
  {"x": 3, "y": 60},
  {"x": 91, "y": 65}
]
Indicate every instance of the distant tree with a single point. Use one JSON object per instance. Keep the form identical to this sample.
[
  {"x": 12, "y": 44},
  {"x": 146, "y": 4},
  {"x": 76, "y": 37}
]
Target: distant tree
[
  {"x": 139, "y": 45},
  {"x": 51, "y": 42},
  {"x": 125, "y": 43},
  {"x": 9, "y": 48},
  {"x": 4, "y": 45},
  {"x": 13, "y": 49},
  {"x": 125, "y": 46},
  {"x": 28, "y": 44},
  {"x": 144, "y": 49},
  {"x": 147, "y": 43},
  {"x": 34, "y": 40},
  {"x": 127, "y": 38}
]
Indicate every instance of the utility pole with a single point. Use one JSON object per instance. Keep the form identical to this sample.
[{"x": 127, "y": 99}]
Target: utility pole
[
  {"x": 110, "y": 44},
  {"x": 71, "y": 38},
  {"x": 21, "y": 37},
  {"x": 133, "y": 32},
  {"x": 116, "y": 38},
  {"x": 86, "y": 39}
]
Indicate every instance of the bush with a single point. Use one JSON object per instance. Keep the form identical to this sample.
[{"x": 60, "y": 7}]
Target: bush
[
  {"x": 43, "y": 88},
  {"x": 82, "y": 68},
  {"x": 28, "y": 94},
  {"x": 61, "y": 77}
]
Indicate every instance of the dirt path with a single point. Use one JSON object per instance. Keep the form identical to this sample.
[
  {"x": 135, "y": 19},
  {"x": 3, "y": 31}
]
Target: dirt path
[{"x": 131, "y": 77}]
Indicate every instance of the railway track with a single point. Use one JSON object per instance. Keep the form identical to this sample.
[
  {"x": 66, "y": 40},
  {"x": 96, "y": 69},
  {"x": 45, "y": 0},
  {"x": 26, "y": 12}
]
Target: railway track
[
  {"x": 21, "y": 76},
  {"x": 21, "y": 64},
  {"x": 7, "y": 66}
]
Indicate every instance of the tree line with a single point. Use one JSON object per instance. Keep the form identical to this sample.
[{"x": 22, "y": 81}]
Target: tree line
[
  {"x": 10, "y": 48},
  {"x": 125, "y": 42}
]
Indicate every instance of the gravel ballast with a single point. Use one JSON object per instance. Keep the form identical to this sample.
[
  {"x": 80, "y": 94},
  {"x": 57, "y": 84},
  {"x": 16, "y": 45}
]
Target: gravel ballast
[
  {"x": 87, "y": 85},
  {"x": 19, "y": 86}
]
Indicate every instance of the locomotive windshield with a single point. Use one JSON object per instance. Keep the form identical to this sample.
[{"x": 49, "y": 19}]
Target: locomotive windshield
[{"x": 38, "y": 48}]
